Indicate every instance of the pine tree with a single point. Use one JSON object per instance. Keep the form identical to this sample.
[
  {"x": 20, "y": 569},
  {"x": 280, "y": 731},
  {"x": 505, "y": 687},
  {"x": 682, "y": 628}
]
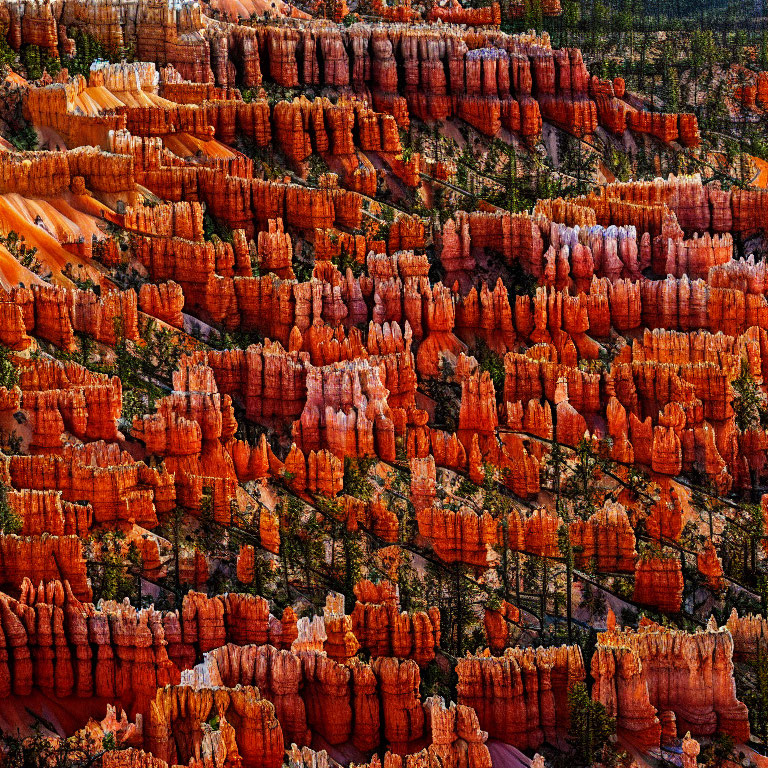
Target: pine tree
[
  {"x": 173, "y": 534},
  {"x": 672, "y": 96},
  {"x": 590, "y": 727},
  {"x": 749, "y": 403},
  {"x": 10, "y": 522},
  {"x": 300, "y": 541},
  {"x": 9, "y": 375},
  {"x": 571, "y": 17}
]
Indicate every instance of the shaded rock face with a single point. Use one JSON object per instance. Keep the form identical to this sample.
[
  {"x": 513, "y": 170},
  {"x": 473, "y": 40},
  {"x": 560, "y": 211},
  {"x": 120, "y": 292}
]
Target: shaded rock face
[
  {"x": 639, "y": 673},
  {"x": 164, "y": 301},
  {"x": 43, "y": 558},
  {"x": 55, "y": 314},
  {"x": 453, "y": 735},
  {"x": 659, "y": 583},
  {"x": 264, "y": 695},
  {"x": 606, "y": 538},
  {"x": 497, "y": 625},
  {"x": 749, "y": 634},
  {"x": 311, "y": 692},
  {"x": 118, "y": 487},
  {"x": 384, "y": 630},
  {"x": 254, "y": 732},
  {"x": 67, "y": 647},
  {"x": 521, "y": 697}
]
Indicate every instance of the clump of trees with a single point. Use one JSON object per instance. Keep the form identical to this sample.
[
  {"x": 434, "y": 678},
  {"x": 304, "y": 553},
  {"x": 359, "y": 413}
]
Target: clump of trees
[
  {"x": 591, "y": 726},
  {"x": 10, "y": 522},
  {"x": 25, "y": 255},
  {"x": 35, "y": 60},
  {"x": 40, "y": 751},
  {"x": 116, "y": 569},
  {"x": 750, "y": 404}
]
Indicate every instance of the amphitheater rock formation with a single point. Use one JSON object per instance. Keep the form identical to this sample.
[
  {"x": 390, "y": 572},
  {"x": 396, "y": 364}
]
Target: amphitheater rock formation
[{"x": 279, "y": 459}]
